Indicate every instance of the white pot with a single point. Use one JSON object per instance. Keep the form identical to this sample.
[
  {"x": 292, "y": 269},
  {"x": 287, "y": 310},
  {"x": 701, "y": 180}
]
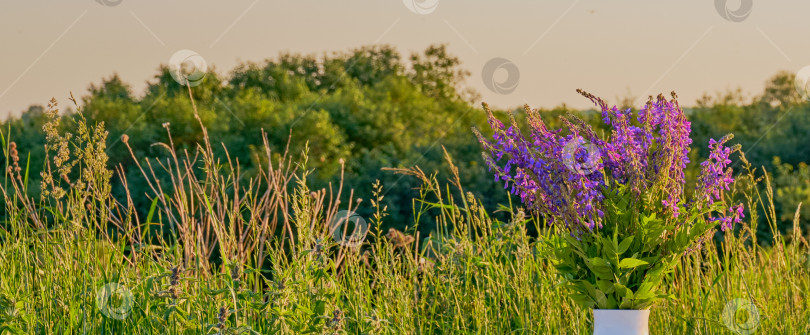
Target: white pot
[{"x": 621, "y": 322}]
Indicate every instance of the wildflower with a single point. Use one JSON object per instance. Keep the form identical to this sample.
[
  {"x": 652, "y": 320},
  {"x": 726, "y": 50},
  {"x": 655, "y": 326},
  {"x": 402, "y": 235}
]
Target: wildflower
[
  {"x": 727, "y": 221},
  {"x": 715, "y": 174},
  {"x": 174, "y": 282},
  {"x": 336, "y": 320},
  {"x": 221, "y": 318},
  {"x": 564, "y": 177}
]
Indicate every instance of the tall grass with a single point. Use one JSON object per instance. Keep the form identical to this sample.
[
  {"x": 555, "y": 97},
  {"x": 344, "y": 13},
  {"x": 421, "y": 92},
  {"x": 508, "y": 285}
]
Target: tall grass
[{"x": 221, "y": 253}]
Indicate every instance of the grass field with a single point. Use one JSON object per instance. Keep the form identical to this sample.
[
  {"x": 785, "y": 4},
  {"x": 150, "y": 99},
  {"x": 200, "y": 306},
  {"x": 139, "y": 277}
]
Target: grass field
[{"x": 217, "y": 254}]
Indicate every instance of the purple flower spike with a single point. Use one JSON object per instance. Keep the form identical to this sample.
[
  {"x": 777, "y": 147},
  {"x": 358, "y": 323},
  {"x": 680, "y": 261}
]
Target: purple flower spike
[{"x": 564, "y": 175}]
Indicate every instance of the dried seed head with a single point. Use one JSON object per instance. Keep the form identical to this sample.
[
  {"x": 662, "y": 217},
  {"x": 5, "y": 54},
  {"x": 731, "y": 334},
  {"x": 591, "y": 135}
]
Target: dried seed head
[
  {"x": 125, "y": 138},
  {"x": 235, "y": 272},
  {"x": 174, "y": 282},
  {"x": 366, "y": 256},
  {"x": 399, "y": 239},
  {"x": 15, "y": 157},
  {"x": 175, "y": 276}
]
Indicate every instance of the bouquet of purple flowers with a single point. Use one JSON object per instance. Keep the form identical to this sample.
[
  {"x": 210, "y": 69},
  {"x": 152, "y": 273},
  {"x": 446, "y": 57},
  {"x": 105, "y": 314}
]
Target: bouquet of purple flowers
[{"x": 619, "y": 203}]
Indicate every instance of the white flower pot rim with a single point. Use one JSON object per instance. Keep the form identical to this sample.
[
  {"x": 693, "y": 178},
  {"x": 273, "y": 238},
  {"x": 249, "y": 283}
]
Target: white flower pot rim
[{"x": 621, "y": 321}]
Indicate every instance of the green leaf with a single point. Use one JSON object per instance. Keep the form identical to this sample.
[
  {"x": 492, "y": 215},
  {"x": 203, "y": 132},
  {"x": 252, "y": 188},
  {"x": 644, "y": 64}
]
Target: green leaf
[
  {"x": 651, "y": 259},
  {"x": 589, "y": 288},
  {"x": 601, "y": 299},
  {"x": 654, "y": 275},
  {"x": 320, "y": 307},
  {"x": 583, "y": 300},
  {"x": 563, "y": 268},
  {"x": 148, "y": 221},
  {"x": 578, "y": 287},
  {"x": 645, "y": 291},
  {"x": 605, "y": 286},
  {"x": 646, "y": 219},
  {"x": 612, "y": 303},
  {"x": 600, "y": 268},
  {"x": 644, "y": 304},
  {"x": 609, "y": 249},
  {"x": 630, "y": 263},
  {"x": 625, "y": 244},
  {"x": 573, "y": 243},
  {"x": 623, "y": 291}
]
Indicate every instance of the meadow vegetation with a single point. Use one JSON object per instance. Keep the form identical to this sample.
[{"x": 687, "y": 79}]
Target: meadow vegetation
[{"x": 201, "y": 210}]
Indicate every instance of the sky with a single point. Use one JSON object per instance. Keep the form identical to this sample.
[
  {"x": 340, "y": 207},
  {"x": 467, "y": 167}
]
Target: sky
[{"x": 518, "y": 51}]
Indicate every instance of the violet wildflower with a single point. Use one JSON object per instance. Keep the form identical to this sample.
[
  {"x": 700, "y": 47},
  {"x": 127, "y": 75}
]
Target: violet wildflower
[
  {"x": 727, "y": 221},
  {"x": 715, "y": 174},
  {"x": 563, "y": 174}
]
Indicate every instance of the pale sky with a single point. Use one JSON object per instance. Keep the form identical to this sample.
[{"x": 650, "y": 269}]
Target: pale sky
[{"x": 51, "y": 47}]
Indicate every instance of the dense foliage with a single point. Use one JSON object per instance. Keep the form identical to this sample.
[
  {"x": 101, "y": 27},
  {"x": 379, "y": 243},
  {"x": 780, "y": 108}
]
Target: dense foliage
[{"x": 78, "y": 261}]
